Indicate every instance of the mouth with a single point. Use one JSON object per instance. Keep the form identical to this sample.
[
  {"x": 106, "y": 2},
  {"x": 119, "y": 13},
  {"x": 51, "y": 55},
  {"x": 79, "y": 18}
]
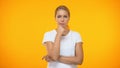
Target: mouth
[{"x": 62, "y": 24}]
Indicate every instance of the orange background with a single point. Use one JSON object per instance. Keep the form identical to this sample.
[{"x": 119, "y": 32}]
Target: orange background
[{"x": 24, "y": 22}]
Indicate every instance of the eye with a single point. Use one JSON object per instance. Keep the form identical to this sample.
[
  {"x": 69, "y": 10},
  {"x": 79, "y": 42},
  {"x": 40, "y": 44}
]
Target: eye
[
  {"x": 65, "y": 16},
  {"x": 58, "y": 16}
]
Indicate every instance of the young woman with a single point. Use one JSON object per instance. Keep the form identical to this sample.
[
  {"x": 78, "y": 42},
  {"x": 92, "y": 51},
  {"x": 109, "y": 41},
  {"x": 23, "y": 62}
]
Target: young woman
[{"x": 64, "y": 46}]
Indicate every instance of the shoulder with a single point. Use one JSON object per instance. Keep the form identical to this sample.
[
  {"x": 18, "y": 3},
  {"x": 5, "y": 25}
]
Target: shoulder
[
  {"x": 48, "y": 36},
  {"x": 76, "y": 36},
  {"x": 75, "y": 32},
  {"x": 50, "y": 32}
]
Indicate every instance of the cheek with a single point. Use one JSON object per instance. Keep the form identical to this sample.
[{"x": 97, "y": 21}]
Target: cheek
[
  {"x": 66, "y": 20},
  {"x": 57, "y": 20}
]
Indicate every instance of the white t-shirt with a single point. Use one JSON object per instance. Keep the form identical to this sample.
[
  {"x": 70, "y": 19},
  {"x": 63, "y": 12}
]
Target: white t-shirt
[{"x": 67, "y": 47}]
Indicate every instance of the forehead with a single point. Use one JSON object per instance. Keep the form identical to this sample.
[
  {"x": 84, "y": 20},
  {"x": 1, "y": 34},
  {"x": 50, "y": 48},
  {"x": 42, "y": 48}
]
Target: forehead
[{"x": 62, "y": 12}]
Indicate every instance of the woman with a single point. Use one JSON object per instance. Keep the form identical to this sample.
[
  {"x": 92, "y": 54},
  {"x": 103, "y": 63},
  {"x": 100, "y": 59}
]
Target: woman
[{"x": 64, "y": 46}]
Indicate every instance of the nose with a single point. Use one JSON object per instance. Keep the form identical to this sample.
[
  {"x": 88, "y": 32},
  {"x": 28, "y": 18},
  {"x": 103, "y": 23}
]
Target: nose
[{"x": 62, "y": 19}]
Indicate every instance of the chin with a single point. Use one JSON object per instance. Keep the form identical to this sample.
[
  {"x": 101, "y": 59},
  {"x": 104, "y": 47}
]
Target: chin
[{"x": 63, "y": 25}]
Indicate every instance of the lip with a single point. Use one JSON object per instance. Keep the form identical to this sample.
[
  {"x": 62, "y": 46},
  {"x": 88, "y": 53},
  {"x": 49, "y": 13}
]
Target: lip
[{"x": 62, "y": 24}]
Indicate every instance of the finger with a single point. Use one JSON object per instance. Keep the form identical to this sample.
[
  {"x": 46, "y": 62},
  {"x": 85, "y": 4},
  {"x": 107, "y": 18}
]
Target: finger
[
  {"x": 47, "y": 59},
  {"x": 43, "y": 57}
]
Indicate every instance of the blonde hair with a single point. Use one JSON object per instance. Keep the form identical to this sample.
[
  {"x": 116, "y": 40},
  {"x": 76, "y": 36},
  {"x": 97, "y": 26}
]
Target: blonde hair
[{"x": 62, "y": 7}]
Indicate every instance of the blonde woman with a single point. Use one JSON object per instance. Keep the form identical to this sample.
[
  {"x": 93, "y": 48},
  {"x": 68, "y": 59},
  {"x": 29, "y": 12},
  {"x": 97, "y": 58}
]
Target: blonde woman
[{"x": 64, "y": 46}]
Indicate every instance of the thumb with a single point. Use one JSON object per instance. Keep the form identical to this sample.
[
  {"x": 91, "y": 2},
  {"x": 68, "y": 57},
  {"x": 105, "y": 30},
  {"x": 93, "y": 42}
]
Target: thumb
[{"x": 43, "y": 57}]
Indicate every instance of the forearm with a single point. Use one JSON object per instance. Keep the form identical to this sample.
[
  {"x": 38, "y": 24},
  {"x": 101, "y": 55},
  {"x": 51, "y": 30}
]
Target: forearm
[
  {"x": 56, "y": 47},
  {"x": 70, "y": 60}
]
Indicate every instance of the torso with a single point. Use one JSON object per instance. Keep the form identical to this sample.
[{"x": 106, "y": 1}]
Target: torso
[{"x": 67, "y": 48}]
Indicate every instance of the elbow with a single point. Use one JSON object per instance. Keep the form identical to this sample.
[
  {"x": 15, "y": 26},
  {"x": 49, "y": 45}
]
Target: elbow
[{"x": 79, "y": 62}]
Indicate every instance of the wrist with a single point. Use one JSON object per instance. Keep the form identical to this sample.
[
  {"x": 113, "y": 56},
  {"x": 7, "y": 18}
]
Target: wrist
[{"x": 59, "y": 58}]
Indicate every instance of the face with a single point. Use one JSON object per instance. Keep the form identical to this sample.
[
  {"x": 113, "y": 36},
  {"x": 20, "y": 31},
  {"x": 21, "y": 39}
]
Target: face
[{"x": 62, "y": 17}]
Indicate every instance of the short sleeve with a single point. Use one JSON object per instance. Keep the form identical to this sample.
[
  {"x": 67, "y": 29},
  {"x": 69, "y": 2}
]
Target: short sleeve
[
  {"x": 78, "y": 38},
  {"x": 47, "y": 37}
]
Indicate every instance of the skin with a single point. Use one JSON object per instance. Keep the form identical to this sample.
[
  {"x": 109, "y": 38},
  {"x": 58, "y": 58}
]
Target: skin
[{"x": 53, "y": 49}]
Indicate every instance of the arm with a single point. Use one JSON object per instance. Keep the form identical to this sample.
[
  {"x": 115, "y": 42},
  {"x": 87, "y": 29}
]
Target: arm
[
  {"x": 53, "y": 49},
  {"x": 77, "y": 59}
]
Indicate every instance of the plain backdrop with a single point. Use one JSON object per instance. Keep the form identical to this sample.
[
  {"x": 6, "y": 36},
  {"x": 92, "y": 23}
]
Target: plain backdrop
[{"x": 24, "y": 22}]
